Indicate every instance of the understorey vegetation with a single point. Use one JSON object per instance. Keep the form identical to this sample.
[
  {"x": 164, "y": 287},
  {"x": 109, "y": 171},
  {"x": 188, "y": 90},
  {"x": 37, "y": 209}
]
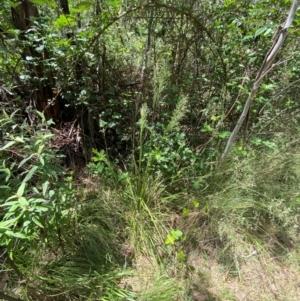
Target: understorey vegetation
[{"x": 149, "y": 150}]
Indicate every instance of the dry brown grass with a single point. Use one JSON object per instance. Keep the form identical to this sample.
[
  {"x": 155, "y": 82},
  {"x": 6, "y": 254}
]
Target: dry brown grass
[{"x": 257, "y": 278}]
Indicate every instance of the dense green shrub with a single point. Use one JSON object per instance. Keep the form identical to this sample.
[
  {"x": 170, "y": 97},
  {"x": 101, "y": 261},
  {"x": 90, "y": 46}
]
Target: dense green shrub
[{"x": 36, "y": 196}]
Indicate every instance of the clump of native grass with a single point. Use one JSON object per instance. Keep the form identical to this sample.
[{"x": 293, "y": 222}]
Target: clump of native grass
[
  {"x": 146, "y": 195},
  {"x": 251, "y": 203},
  {"x": 147, "y": 204}
]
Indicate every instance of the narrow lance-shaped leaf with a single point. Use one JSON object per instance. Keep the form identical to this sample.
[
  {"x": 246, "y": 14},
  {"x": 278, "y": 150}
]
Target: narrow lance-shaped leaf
[
  {"x": 21, "y": 190},
  {"x": 37, "y": 222},
  {"x": 7, "y": 145},
  {"x": 30, "y": 174},
  {"x": 16, "y": 234},
  {"x": 45, "y": 187},
  {"x": 24, "y": 161},
  {"x": 20, "y": 139}
]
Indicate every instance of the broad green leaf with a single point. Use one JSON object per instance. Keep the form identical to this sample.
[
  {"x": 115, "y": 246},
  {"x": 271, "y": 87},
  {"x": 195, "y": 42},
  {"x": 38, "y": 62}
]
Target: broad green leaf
[
  {"x": 196, "y": 204},
  {"x": 8, "y": 223},
  {"x": 269, "y": 144},
  {"x": 40, "y": 48},
  {"x": 26, "y": 224},
  {"x": 37, "y": 222},
  {"x": 7, "y": 145},
  {"x": 50, "y": 122},
  {"x": 176, "y": 234},
  {"x": 24, "y": 161},
  {"x": 260, "y": 31},
  {"x": 51, "y": 193},
  {"x": 46, "y": 136},
  {"x": 41, "y": 115},
  {"x": 65, "y": 212},
  {"x": 65, "y": 21},
  {"x": 9, "y": 203},
  {"x": 4, "y": 187},
  {"x": 269, "y": 30},
  {"x": 23, "y": 202},
  {"x": 21, "y": 190},
  {"x": 30, "y": 174},
  {"x": 186, "y": 211},
  {"x": 15, "y": 234},
  {"x": 34, "y": 200},
  {"x": 215, "y": 118},
  {"x": 35, "y": 190},
  {"x": 181, "y": 255},
  {"x": 243, "y": 88},
  {"x": 256, "y": 140},
  {"x": 252, "y": 59},
  {"x": 102, "y": 123},
  {"x": 100, "y": 156},
  {"x": 42, "y": 208},
  {"x": 14, "y": 207},
  {"x": 45, "y": 187},
  {"x": 157, "y": 154},
  {"x": 224, "y": 134},
  {"x": 20, "y": 139},
  {"x": 42, "y": 160},
  {"x": 207, "y": 128},
  {"x": 41, "y": 147},
  {"x": 170, "y": 240}
]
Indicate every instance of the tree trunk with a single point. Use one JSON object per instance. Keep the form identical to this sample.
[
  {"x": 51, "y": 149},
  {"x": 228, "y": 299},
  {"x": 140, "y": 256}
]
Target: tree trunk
[{"x": 44, "y": 99}]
